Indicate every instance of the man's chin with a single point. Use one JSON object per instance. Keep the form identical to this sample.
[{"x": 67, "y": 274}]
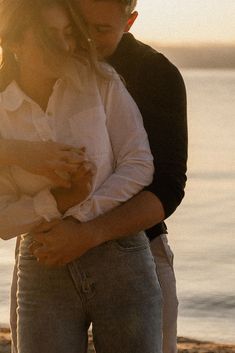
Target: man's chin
[{"x": 104, "y": 53}]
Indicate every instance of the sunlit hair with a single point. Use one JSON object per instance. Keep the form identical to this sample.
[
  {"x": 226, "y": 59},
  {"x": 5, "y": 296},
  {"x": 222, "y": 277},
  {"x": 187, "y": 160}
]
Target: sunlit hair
[
  {"x": 129, "y": 5},
  {"x": 16, "y": 16}
]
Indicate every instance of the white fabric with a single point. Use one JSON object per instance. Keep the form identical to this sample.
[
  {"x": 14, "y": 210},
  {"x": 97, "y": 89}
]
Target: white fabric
[
  {"x": 163, "y": 257},
  {"x": 84, "y": 110}
]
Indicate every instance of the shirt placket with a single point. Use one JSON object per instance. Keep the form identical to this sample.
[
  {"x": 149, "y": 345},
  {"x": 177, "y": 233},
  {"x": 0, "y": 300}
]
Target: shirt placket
[{"x": 40, "y": 119}]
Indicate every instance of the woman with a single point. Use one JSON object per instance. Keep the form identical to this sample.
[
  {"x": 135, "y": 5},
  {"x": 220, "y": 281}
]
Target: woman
[{"x": 47, "y": 96}]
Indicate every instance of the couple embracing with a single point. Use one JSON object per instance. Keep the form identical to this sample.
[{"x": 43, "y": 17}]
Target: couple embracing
[{"x": 78, "y": 179}]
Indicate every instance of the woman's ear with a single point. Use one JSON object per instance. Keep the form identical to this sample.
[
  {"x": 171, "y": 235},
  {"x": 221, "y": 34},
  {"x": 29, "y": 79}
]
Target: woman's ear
[
  {"x": 14, "y": 49},
  {"x": 131, "y": 20}
]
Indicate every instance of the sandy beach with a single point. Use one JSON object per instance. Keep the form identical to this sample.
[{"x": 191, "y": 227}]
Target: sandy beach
[{"x": 185, "y": 345}]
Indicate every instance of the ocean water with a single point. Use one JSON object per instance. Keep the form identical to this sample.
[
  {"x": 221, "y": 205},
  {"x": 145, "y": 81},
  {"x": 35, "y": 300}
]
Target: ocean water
[{"x": 202, "y": 230}]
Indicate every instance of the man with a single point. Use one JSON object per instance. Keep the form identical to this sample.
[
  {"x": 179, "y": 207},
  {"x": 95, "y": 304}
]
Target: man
[{"x": 159, "y": 92}]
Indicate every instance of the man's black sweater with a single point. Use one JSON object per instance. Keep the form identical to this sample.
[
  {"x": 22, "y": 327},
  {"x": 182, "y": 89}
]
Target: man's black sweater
[{"x": 159, "y": 91}]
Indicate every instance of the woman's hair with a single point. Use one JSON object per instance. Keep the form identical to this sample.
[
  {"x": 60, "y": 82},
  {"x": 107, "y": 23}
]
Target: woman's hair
[{"x": 16, "y": 16}]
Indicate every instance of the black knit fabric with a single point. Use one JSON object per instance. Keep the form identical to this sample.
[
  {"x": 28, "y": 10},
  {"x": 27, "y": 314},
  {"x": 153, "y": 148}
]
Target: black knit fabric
[{"x": 159, "y": 91}]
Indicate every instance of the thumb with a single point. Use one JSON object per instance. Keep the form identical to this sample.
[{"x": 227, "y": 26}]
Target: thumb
[
  {"x": 45, "y": 226},
  {"x": 40, "y": 238}
]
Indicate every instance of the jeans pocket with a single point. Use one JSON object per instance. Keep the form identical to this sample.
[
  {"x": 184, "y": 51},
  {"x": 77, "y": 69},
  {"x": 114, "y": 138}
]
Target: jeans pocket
[{"x": 132, "y": 243}]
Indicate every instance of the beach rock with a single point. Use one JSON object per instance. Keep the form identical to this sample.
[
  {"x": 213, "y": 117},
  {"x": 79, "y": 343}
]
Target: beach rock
[{"x": 185, "y": 345}]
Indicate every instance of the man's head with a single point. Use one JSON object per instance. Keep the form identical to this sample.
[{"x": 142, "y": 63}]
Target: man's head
[
  {"x": 107, "y": 21},
  {"x": 129, "y": 5}
]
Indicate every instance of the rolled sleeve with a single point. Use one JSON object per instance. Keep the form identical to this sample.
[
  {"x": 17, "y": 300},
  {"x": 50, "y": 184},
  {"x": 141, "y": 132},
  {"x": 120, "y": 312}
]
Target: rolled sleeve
[
  {"x": 45, "y": 205},
  {"x": 20, "y": 213}
]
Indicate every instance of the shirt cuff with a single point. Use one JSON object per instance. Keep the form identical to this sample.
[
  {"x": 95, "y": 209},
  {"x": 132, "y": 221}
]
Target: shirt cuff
[
  {"x": 45, "y": 205},
  {"x": 81, "y": 212},
  {"x": 92, "y": 208}
]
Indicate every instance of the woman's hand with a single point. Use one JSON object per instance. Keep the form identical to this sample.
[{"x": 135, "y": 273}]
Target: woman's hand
[
  {"x": 53, "y": 160},
  {"x": 81, "y": 186}
]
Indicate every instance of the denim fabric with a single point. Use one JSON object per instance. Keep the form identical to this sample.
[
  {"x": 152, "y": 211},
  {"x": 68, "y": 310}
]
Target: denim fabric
[
  {"x": 113, "y": 286},
  {"x": 163, "y": 256}
]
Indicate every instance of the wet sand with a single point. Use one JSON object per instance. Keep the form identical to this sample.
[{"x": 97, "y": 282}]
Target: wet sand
[{"x": 185, "y": 345}]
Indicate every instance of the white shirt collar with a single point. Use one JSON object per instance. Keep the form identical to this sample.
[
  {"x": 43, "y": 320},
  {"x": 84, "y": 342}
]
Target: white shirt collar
[{"x": 13, "y": 96}]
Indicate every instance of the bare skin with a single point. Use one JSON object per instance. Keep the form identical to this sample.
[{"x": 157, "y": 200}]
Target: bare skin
[
  {"x": 49, "y": 159},
  {"x": 81, "y": 185},
  {"x": 56, "y": 247}
]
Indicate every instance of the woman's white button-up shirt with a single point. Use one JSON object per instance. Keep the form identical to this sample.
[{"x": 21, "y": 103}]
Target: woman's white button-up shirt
[{"x": 84, "y": 109}]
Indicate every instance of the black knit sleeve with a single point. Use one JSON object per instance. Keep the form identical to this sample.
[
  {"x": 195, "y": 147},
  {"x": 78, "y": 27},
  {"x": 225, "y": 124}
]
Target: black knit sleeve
[{"x": 163, "y": 106}]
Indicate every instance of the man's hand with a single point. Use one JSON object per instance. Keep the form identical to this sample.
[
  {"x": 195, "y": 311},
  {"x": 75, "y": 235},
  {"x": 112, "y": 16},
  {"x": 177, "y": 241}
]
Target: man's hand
[{"x": 58, "y": 242}]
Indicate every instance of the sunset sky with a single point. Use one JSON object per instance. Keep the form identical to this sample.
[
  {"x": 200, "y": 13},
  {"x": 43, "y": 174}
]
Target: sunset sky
[{"x": 186, "y": 21}]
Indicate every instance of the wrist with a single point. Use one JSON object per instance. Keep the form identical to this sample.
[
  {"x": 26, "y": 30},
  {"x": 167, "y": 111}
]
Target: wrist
[
  {"x": 90, "y": 234},
  {"x": 94, "y": 232},
  {"x": 82, "y": 236},
  {"x": 59, "y": 195}
]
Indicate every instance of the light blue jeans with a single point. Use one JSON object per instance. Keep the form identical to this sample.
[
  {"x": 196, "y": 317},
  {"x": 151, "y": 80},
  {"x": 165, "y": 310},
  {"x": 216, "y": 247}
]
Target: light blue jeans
[{"x": 113, "y": 286}]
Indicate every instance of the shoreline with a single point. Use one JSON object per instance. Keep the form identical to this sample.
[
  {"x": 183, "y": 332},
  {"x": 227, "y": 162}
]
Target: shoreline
[{"x": 185, "y": 345}]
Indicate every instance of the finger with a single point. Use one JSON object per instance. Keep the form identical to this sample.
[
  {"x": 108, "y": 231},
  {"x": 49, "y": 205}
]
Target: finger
[
  {"x": 58, "y": 181},
  {"x": 46, "y": 226},
  {"x": 51, "y": 262},
  {"x": 86, "y": 170},
  {"x": 65, "y": 167},
  {"x": 93, "y": 169},
  {"x": 41, "y": 238},
  {"x": 72, "y": 157},
  {"x": 64, "y": 147},
  {"x": 81, "y": 150},
  {"x": 34, "y": 246},
  {"x": 49, "y": 259},
  {"x": 86, "y": 166},
  {"x": 42, "y": 252}
]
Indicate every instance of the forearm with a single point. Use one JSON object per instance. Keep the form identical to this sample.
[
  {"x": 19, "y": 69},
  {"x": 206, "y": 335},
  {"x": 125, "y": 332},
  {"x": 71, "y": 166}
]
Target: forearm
[
  {"x": 67, "y": 198},
  {"x": 7, "y": 156},
  {"x": 20, "y": 213},
  {"x": 143, "y": 211},
  {"x": 63, "y": 199},
  {"x": 70, "y": 239}
]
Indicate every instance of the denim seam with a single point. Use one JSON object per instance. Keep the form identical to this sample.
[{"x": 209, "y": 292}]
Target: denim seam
[{"x": 130, "y": 249}]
